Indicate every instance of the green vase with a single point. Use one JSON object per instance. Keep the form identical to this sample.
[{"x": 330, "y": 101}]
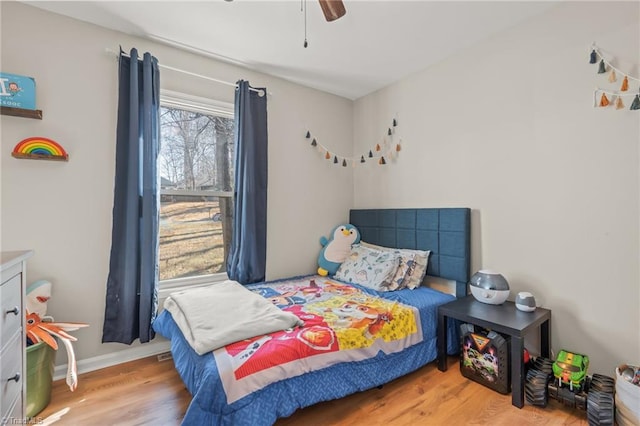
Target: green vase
[{"x": 40, "y": 358}]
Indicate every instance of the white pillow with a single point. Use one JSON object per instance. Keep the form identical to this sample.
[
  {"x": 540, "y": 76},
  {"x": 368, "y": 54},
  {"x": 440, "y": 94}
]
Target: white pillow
[
  {"x": 370, "y": 268},
  {"x": 416, "y": 262}
]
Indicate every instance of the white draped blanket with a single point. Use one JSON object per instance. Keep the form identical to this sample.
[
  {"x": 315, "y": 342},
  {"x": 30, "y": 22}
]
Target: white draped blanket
[{"x": 214, "y": 316}]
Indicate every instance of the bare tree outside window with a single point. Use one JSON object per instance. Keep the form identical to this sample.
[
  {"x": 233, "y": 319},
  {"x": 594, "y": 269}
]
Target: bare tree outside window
[{"x": 196, "y": 178}]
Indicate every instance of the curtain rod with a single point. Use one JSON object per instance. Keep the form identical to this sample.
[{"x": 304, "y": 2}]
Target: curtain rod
[{"x": 228, "y": 83}]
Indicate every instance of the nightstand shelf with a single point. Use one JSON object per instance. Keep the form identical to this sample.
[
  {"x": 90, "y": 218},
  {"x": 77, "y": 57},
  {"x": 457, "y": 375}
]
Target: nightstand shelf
[{"x": 504, "y": 319}]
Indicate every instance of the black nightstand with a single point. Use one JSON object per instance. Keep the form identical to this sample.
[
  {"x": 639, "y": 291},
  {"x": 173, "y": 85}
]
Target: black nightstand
[{"x": 505, "y": 319}]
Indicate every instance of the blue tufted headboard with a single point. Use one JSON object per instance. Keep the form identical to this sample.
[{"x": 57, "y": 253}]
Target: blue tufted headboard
[{"x": 446, "y": 232}]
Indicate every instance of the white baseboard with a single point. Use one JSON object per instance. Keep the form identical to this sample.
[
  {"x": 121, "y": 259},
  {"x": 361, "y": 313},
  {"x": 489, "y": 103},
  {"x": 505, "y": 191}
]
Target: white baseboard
[{"x": 113, "y": 358}]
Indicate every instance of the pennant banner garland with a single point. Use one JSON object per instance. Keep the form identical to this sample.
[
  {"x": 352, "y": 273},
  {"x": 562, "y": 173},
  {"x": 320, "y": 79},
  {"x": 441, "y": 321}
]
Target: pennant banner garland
[
  {"x": 390, "y": 146},
  {"x": 600, "y": 98}
]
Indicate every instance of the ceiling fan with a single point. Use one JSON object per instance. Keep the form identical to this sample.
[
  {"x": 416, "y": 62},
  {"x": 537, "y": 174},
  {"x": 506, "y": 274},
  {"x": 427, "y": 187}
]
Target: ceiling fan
[{"x": 332, "y": 9}]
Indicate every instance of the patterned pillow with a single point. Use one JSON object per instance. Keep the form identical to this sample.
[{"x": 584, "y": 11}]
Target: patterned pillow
[
  {"x": 370, "y": 268},
  {"x": 419, "y": 270},
  {"x": 413, "y": 262},
  {"x": 405, "y": 269}
]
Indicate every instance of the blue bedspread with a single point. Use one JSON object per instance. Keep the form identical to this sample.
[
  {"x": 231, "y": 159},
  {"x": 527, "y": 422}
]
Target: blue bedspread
[{"x": 281, "y": 399}]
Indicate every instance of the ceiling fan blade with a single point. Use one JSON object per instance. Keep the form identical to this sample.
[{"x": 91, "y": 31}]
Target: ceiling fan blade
[{"x": 332, "y": 9}]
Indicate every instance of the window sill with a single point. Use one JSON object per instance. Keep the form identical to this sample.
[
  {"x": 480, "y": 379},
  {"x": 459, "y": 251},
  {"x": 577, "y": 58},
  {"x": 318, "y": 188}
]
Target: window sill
[{"x": 166, "y": 287}]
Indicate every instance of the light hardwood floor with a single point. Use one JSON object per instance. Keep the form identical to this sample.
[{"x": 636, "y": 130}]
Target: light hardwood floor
[{"x": 149, "y": 392}]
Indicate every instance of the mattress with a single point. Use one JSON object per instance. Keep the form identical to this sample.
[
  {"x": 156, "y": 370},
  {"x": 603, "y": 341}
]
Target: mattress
[{"x": 263, "y": 398}]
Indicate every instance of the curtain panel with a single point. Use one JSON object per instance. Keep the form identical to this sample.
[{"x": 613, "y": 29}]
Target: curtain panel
[
  {"x": 246, "y": 262},
  {"x": 131, "y": 296}
]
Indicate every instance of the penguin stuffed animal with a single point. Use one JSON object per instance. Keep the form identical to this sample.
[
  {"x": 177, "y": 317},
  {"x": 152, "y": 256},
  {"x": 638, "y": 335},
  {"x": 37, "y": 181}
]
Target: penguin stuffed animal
[{"x": 336, "y": 249}]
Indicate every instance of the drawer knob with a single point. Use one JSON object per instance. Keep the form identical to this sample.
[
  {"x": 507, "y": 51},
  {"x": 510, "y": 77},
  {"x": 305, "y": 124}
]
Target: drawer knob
[
  {"x": 16, "y": 378},
  {"x": 15, "y": 311}
]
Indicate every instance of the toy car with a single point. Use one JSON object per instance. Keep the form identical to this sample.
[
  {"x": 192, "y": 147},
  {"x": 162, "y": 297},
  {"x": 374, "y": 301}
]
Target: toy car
[
  {"x": 566, "y": 380},
  {"x": 570, "y": 369}
]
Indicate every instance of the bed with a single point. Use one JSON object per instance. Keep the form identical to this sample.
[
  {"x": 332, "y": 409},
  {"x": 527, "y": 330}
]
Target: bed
[{"x": 227, "y": 391}]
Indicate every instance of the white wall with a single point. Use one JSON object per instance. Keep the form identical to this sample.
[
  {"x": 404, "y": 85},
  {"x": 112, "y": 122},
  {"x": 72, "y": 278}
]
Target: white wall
[
  {"x": 508, "y": 128},
  {"x": 63, "y": 210}
]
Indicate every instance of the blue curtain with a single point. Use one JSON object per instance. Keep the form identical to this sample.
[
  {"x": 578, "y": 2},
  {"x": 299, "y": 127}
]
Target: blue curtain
[
  {"x": 246, "y": 262},
  {"x": 131, "y": 299}
]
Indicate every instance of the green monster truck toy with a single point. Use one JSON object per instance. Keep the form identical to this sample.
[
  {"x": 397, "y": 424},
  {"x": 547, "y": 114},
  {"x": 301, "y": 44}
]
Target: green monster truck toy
[{"x": 566, "y": 380}]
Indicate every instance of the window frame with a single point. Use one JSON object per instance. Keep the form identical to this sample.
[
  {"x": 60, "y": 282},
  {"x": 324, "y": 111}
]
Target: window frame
[{"x": 178, "y": 100}]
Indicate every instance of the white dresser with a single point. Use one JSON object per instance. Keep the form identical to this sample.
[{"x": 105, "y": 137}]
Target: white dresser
[{"x": 13, "y": 362}]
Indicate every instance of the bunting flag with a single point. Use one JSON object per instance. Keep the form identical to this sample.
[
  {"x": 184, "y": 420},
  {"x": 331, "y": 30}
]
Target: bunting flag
[
  {"x": 600, "y": 98},
  {"x": 616, "y": 96},
  {"x": 386, "y": 150},
  {"x": 602, "y": 69}
]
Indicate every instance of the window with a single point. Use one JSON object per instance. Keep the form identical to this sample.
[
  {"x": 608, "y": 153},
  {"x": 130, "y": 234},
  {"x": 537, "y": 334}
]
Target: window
[{"x": 195, "y": 165}]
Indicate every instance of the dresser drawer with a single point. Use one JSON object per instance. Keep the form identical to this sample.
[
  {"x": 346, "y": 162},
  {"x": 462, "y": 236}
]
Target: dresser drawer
[
  {"x": 10, "y": 303},
  {"x": 14, "y": 413},
  {"x": 10, "y": 364},
  {"x": 12, "y": 336}
]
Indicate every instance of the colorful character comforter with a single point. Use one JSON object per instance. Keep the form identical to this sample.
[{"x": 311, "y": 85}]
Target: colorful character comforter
[{"x": 351, "y": 340}]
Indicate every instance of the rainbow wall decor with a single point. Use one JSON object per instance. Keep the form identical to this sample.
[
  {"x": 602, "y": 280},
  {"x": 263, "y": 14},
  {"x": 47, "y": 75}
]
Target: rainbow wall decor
[{"x": 39, "y": 148}]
